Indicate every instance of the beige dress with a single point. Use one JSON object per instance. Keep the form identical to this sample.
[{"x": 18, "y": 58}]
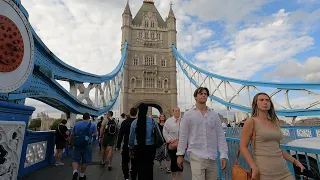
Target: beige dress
[{"x": 268, "y": 155}]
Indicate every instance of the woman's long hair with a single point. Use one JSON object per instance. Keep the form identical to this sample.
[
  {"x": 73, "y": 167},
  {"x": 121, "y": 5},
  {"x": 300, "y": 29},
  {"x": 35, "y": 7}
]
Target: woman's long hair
[
  {"x": 142, "y": 124},
  {"x": 271, "y": 112},
  {"x": 164, "y": 116}
]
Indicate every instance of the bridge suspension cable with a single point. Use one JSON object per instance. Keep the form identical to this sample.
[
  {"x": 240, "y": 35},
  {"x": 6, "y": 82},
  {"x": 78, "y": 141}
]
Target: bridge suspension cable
[{"x": 237, "y": 94}]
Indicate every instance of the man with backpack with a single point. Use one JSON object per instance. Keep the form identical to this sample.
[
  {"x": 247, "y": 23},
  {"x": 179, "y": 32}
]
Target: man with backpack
[
  {"x": 108, "y": 134},
  {"x": 81, "y": 139}
]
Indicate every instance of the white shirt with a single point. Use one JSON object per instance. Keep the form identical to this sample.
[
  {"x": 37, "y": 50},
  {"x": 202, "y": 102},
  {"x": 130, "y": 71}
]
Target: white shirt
[
  {"x": 171, "y": 129},
  {"x": 203, "y": 133}
]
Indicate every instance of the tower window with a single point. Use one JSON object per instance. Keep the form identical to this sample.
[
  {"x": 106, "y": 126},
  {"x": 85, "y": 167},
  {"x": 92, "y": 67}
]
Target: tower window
[
  {"x": 158, "y": 36},
  {"x": 149, "y": 82},
  {"x": 135, "y": 61},
  {"x": 159, "y": 85},
  {"x": 146, "y": 23},
  {"x": 140, "y": 35},
  {"x": 152, "y": 24},
  {"x": 138, "y": 83},
  {"x": 149, "y": 60},
  {"x": 163, "y": 63}
]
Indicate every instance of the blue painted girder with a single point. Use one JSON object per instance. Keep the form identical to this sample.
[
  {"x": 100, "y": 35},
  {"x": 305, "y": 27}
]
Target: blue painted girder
[{"x": 286, "y": 86}]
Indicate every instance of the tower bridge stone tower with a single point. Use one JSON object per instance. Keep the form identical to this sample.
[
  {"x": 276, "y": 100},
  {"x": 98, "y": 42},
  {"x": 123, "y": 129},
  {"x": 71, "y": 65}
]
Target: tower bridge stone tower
[{"x": 150, "y": 71}]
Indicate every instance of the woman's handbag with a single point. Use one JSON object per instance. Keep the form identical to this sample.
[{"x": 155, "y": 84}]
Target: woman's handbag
[
  {"x": 158, "y": 139},
  {"x": 238, "y": 172}
]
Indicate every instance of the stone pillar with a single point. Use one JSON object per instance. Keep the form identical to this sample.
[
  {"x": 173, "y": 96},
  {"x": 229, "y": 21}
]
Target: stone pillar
[
  {"x": 72, "y": 117},
  {"x": 14, "y": 120}
]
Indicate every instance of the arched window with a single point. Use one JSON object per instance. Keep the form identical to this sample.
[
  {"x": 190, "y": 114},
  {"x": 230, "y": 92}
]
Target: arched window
[
  {"x": 133, "y": 82},
  {"x": 166, "y": 84}
]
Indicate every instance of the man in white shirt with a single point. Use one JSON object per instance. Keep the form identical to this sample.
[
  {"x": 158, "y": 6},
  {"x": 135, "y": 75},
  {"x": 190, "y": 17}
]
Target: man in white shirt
[{"x": 201, "y": 128}]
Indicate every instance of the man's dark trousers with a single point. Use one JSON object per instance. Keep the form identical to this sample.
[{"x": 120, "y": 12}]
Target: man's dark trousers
[{"x": 125, "y": 165}]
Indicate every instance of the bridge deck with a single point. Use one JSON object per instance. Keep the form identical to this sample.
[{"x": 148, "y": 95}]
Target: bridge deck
[{"x": 95, "y": 172}]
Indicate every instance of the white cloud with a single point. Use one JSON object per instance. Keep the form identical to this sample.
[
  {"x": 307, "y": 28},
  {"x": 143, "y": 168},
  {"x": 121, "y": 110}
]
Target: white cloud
[
  {"x": 256, "y": 47},
  {"x": 308, "y": 71}
]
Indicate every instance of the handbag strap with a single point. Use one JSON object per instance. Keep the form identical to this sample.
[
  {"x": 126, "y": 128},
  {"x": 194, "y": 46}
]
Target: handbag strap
[
  {"x": 253, "y": 142},
  {"x": 61, "y": 133}
]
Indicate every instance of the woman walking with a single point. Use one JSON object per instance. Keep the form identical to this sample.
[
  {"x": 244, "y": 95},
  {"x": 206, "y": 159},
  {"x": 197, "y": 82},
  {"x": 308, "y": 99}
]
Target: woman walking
[
  {"x": 171, "y": 135},
  {"x": 61, "y": 134},
  {"x": 269, "y": 162},
  {"x": 142, "y": 142},
  {"x": 162, "y": 152}
]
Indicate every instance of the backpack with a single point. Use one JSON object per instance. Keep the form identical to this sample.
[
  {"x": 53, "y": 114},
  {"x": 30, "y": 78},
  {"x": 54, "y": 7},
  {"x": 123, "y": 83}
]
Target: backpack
[
  {"x": 111, "y": 127},
  {"x": 81, "y": 137}
]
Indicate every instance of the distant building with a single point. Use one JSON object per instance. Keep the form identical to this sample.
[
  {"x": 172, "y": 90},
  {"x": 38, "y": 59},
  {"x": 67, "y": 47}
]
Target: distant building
[
  {"x": 46, "y": 121},
  {"x": 63, "y": 116},
  {"x": 308, "y": 122}
]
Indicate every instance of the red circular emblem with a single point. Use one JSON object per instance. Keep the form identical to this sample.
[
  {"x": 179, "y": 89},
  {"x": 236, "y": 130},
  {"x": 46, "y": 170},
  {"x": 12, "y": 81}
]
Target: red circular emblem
[{"x": 11, "y": 45}]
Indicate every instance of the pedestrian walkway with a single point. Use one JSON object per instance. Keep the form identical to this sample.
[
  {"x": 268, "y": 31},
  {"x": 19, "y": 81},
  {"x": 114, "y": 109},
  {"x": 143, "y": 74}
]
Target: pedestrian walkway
[{"x": 95, "y": 172}]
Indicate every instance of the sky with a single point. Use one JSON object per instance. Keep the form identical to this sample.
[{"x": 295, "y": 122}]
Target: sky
[{"x": 263, "y": 40}]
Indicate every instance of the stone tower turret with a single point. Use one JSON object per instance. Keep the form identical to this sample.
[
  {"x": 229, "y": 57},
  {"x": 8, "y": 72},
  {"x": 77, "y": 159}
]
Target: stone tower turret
[
  {"x": 126, "y": 24},
  {"x": 171, "y": 24}
]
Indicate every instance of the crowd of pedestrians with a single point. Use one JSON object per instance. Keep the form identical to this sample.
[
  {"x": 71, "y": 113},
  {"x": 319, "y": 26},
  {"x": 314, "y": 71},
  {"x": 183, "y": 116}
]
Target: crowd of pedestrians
[{"x": 199, "y": 134}]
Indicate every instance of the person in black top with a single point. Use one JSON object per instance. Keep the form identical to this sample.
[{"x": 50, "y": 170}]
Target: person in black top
[
  {"x": 98, "y": 128},
  {"x": 124, "y": 135},
  {"x": 61, "y": 134}
]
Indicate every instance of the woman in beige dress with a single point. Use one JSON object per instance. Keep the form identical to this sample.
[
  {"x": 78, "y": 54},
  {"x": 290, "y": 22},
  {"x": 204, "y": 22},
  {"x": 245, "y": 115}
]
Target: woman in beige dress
[{"x": 269, "y": 161}]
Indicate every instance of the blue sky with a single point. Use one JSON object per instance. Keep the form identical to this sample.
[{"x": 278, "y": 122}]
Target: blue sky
[{"x": 265, "y": 40}]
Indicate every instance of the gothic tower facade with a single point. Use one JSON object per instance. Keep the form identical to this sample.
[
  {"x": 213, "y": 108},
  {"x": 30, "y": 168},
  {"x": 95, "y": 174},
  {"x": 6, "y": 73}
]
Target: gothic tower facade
[{"x": 150, "y": 71}]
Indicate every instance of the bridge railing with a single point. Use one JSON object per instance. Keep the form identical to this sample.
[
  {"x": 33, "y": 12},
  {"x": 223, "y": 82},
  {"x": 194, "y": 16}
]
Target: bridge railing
[
  {"x": 290, "y": 132},
  {"x": 40, "y": 151},
  {"x": 308, "y": 157}
]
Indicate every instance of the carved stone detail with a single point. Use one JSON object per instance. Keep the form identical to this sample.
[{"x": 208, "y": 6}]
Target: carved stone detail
[{"x": 11, "y": 141}]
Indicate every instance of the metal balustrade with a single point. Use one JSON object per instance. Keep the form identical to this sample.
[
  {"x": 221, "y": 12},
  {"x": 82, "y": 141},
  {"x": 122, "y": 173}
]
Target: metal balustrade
[
  {"x": 40, "y": 151},
  {"x": 290, "y": 132}
]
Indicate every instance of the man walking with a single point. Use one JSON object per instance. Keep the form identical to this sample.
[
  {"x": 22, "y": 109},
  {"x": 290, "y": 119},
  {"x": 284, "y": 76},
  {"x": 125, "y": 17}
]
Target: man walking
[
  {"x": 201, "y": 127},
  {"x": 81, "y": 139},
  {"x": 124, "y": 135},
  {"x": 108, "y": 133}
]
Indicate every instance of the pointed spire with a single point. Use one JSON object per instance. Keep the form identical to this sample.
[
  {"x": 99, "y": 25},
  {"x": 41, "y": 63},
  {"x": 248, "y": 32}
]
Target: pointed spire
[
  {"x": 127, "y": 9},
  {"x": 171, "y": 14}
]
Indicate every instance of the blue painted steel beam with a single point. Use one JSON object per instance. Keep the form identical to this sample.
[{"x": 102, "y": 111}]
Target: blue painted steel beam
[
  {"x": 287, "y": 113},
  {"x": 290, "y": 86},
  {"x": 62, "y": 71}
]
